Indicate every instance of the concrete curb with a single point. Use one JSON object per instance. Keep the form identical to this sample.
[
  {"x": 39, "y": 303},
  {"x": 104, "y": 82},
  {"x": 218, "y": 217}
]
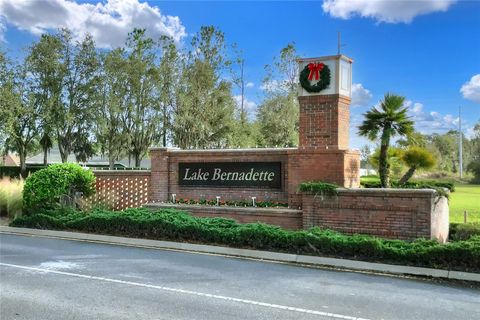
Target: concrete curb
[{"x": 253, "y": 254}]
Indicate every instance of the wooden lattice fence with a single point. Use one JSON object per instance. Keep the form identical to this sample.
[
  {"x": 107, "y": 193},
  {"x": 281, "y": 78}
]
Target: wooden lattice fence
[{"x": 119, "y": 190}]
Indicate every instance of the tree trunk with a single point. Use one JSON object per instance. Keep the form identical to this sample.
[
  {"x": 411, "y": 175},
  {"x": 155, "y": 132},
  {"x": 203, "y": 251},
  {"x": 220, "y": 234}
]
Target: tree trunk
[
  {"x": 45, "y": 156},
  {"x": 63, "y": 152},
  {"x": 63, "y": 156},
  {"x": 383, "y": 169},
  {"x": 384, "y": 166},
  {"x": 164, "y": 128},
  {"x": 111, "y": 163},
  {"x": 407, "y": 176},
  {"x": 23, "y": 164},
  {"x": 46, "y": 144},
  {"x": 138, "y": 160},
  {"x": 242, "y": 116}
]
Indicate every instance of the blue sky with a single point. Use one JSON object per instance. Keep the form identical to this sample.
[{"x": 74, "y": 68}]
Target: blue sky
[{"x": 425, "y": 50}]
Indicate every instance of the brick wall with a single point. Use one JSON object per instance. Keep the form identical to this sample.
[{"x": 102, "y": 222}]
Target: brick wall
[
  {"x": 165, "y": 174},
  {"x": 285, "y": 218},
  {"x": 391, "y": 213},
  {"x": 335, "y": 166},
  {"x": 120, "y": 190},
  {"x": 340, "y": 167}
]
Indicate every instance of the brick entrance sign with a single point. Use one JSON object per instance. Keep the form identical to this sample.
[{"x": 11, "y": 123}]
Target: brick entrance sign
[
  {"x": 322, "y": 153},
  {"x": 274, "y": 175}
]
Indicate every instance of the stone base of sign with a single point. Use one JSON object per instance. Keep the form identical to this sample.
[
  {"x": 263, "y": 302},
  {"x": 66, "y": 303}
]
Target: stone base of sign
[
  {"x": 389, "y": 213},
  {"x": 286, "y": 218}
]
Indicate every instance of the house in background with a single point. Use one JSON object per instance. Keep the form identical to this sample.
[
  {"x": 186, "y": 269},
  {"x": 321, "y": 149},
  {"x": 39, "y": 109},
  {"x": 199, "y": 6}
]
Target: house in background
[
  {"x": 96, "y": 162},
  {"x": 10, "y": 160}
]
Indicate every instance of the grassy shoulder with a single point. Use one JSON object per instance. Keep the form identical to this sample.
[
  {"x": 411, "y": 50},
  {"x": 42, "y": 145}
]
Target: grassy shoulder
[
  {"x": 466, "y": 197},
  {"x": 177, "y": 225}
]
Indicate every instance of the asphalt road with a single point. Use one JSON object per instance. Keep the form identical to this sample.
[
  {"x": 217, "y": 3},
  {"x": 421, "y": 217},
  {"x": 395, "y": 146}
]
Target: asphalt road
[{"x": 43, "y": 278}]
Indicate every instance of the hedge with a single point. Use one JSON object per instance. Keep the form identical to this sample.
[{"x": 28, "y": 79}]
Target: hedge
[
  {"x": 171, "y": 224},
  {"x": 415, "y": 184},
  {"x": 464, "y": 231},
  {"x": 318, "y": 187}
]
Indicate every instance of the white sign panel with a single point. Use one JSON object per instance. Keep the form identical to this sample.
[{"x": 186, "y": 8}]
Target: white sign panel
[{"x": 340, "y": 68}]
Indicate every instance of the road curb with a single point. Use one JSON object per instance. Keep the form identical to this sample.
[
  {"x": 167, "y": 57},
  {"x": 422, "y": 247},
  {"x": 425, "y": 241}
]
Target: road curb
[{"x": 354, "y": 265}]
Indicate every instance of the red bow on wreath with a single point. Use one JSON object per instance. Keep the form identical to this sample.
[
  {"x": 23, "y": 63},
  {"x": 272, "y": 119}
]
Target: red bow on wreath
[{"x": 315, "y": 69}]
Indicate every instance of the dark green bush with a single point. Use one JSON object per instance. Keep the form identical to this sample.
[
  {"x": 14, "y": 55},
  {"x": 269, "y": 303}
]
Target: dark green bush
[
  {"x": 170, "y": 224},
  {"x": 319, "y": 187},
  {"x": 414, "y": 184},
  {"x": 474, "y": 167},
  {"x": 464, "y": 231},
  {"x": 43, "y": 188}
]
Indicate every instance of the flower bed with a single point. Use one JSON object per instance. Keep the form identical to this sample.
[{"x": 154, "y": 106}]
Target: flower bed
[{"x": 232, "y": 203}]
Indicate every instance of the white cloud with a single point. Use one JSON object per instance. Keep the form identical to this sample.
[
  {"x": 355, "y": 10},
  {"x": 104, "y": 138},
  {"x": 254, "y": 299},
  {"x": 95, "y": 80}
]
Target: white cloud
[
  {"x": 429, "y": 122},
  {"x": 249, "y": 106},
  {"x": 271, "y": 85},
  {"x": 469, "y": 132},
  {"x": 471, "y": 89},
  {"x": 250, "y": 85},
  {"x": 360, "y": 95},
  {"x": 2, "y": 30},
  {"x": 390, "y": 11},
  {"x": 275, "y": 86},
  {"x": 426, "y": 122},
  {"x": 108, "y": 22}
]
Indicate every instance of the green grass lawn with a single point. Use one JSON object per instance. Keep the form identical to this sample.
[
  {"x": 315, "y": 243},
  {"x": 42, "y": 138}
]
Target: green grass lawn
[{"x": 465, "y": 197}]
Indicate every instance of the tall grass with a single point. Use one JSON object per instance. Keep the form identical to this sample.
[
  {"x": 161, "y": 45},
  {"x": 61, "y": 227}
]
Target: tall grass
[{"x": 11, "y": 201}]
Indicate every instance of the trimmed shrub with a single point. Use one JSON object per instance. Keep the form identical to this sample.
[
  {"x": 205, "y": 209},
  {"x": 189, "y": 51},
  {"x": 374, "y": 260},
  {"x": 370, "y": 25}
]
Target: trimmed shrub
[
  {"x": 319, "y": 187},
  {"x": 464, "y": 231},
  {"x": 170, "y": 224},
  {"x": 43, "y": 188},
  {"x": 371, "y": 182}
]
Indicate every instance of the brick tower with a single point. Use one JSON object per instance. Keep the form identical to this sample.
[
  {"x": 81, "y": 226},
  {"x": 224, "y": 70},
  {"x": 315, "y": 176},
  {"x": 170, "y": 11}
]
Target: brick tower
[
  {"x": 325, "y": 115},
  {"x": 323, "y": 153}
]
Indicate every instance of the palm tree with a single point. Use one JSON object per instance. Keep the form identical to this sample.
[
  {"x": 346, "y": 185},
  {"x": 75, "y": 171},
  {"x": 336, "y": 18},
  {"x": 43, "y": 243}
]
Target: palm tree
[
  {"x": 388, "y": 120},
  {"x": 416, "y": 158},
  {"x": 46, "y": 143}
]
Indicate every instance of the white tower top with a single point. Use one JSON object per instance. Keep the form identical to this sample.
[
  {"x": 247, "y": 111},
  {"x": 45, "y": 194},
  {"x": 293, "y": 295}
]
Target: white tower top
[{"x": 340, "y": 68}]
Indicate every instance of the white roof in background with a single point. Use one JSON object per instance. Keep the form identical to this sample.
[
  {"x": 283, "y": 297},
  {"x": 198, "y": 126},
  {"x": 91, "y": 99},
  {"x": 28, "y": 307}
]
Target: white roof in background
[{"x": 54, "y": 157}]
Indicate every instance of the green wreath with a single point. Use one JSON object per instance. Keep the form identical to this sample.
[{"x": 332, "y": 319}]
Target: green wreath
[{"x": 322, "y": 83}]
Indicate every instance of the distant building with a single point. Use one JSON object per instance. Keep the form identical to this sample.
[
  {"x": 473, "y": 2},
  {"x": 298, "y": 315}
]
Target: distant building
[
  {"x": 94, "y": 162},
  {"x": 10, "y": 160}
]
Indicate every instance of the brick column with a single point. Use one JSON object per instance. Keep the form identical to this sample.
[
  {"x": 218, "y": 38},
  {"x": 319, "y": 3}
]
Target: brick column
[
  {"x": 324, "y": 122},
  {"x": 159, "y": 181}
]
